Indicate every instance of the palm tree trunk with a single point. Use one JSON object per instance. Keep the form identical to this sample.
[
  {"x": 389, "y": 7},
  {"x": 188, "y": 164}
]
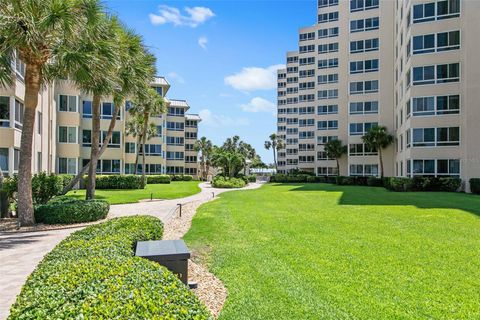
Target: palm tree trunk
[
  {"x": 338, "y": 167},
  {"x": 33, "y": 79},
  {"x": 3, "y": 198},
  {"x": 145, "y": 129},
  {"x": 380, "y": 158},
  {"x": 137, "y": 155},
  {"x": 94, "y": 154},
  {"x": 202, "y": 164},
  {"x": 275, "y": 159},
  {"x": 80, "y": 175}
]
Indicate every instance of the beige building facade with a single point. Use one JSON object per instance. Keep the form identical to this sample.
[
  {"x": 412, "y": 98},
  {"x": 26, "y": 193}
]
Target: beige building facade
[
  {"x": 62, "y": 137},
  {"x": 400, "y": 64}
]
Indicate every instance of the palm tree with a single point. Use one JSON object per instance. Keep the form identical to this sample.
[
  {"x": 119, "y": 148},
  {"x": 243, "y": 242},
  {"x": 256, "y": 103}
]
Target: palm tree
[
  {"x": 378, "y": 138},
  {"x": 39, "y": 32},
  {"x": 248, "y": 152},
  {"x": 204, "y": 147},
  {"x": 228, "y": 160},
  {"x": 275, "y": 144},
  {"x": 134, "y": 127},
  {"x": 135, "y": 69},
  {"x": 149, "y": 104},
  {"x": 335, "y": 149}
]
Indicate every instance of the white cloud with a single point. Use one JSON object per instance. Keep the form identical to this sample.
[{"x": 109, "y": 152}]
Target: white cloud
[
  {"x": 254, "y": 78},
  {"x": 214, "y": 120},
  {"x": 195, "y": 16},
  {"x": 176, "y": 77},
  {"x": 258, "y": 105},
  {"x": 202, "y": 42}
]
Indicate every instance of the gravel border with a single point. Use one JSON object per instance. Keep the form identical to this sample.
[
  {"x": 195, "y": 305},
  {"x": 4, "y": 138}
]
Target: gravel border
[{"x": 210, "y": 290}]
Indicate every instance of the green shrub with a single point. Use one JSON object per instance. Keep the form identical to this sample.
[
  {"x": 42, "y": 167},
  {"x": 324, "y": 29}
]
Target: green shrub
[
  {"x": 374, "y": 182},
  {"x": 228, "y": 183},
  {"x": 187, "y": 178},
  {"x": 63, "y": 211},
  {"x": 159, "y": 179},
  {"x": 66, "y": 179},
  {"x": 128, "y": 181},
  {"x": 475, "y": 185},
  {"x": 93, "y": 275},
  {"x": 311, "y": 179},
  {"x": 399, "y": 184},
  {"x": 450, "y": 184},
  {"x": 320, "y": 179},
  {"x": 44, "y": 187},
  {"x": 252, "y": 178},
  {"x": 345, "y": 181}
]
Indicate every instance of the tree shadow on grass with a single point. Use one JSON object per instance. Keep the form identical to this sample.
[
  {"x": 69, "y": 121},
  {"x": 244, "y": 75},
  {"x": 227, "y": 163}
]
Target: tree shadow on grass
[{"x": 378, "y": 196}]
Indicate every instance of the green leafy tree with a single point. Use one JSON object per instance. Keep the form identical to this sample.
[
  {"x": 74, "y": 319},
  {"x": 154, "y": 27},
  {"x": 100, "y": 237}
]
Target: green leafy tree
[
  {"x": 378, "y": 138},
  {"x": 39, "y": 33},
  {"x": 134, "y": 127},
  {"x": 205, "y": 148},
  {"x": 275, "y": 144},
  {"x": 335, "y": 150}
]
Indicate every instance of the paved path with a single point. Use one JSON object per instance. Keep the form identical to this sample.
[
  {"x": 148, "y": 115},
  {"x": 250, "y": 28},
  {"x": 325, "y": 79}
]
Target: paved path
[{"x": 20, "y": 252}]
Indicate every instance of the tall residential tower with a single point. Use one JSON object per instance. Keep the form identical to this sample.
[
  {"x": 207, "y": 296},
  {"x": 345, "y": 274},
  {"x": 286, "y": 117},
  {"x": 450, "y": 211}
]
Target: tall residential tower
[{"x": 399, "y": 64}]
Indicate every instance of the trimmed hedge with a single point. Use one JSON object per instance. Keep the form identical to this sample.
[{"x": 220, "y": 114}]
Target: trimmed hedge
[
  {"x": 423, "y": 184},
  {"x": 159, "y": 179},
  {"x": 475, "y": 185},
  {"x": 93, "y": 275},
  {"x": 68, "y": 211},
  {"x": 181, "y": 177},
  {"x": 252, "y": 178},
  {"x": 128, "y": 181},
  {"x": 228, "y": 183},
  {"x": 374, "y": 182}
]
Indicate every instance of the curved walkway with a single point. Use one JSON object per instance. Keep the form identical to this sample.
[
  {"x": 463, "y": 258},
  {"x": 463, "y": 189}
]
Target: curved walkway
[{"x": 20, "y": 252}]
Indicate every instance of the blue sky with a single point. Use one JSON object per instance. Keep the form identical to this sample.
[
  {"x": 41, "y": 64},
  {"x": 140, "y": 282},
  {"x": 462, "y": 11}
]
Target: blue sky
[{"x": 221, "y": 56}]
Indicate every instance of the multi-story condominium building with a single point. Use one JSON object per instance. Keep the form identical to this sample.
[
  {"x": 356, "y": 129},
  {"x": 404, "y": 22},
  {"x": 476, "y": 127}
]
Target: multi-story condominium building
[
  {"x": 400, "y": 64},
  {"x": 62, "y": 137}
]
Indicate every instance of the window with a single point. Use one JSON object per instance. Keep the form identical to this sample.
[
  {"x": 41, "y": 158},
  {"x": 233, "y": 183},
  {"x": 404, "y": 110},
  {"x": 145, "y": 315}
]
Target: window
[
  {"x": 424, "y": 167},
  {"x": 364, "y": 87},
  {"x": 443, "y": 73},
  {"x": 431, "y": 137},
  {"x": 4, "y": 159},
  {"x": 16, "y": 159},
  {"x": 330, "y": 109},
  {"x": 363, "y": 66},
  {"x": 306, "y": 49},
  {"x": 327, "y": 48},
  {"x": 327, "y": 171},
  {"x": 360, "y": 149},
  {"x": 130, "y": 147},
  {"x": 328, "y": 17},
  {"x": 328, "y": 78},
  {"x": 327, "y": 3},
  {"x": 292, "y": 59},
  {"x": 19, "y": 110},
  {"x": 328, "y": 33},
  {"x": 424, "y": 137},
  {"x": 190, "y": 135},
  {"x": 364, "y": 169},
  {"x": 364, "y": 45},
  {"x": 4, "y": 112},
  {"x": 359, "y": 129},
  {"x": 306, "y": 135},
  {"x": 306, "y": 110},
  {"x": 87, "y": 109},
  {"x": 175, "y": 155},
  {"x": 175, "y": 141},
  {"x": 39, "y": 122},
  {"x": 450, "y": 167},
  {"x": 175, "y": 126},
  {"x": 307, "y": 61},
  {"x": 307, "y": 36},
  {"x": 19, "y": 68},
  {"x": 448, "y": 136},
  {"x": 154, "y": 150},
  {"x": 159, "y": 131},
  {"x": 306, "y": 123},
  {"x": 444, "y": 41},
  {"x": 423, "y": 75},
  {"x": 432, "y": 11},
  {"x": 108, "y": 110},
  {"x": 67, "y": 134},
  {"x": 328, "y": 94},
  {"x": 115, "y": 140},
  {"x": 360, "y": 5},
  {"x": 67, "y": 166},
  {"x": 327, "y": 125},
  {"x": 364, "y": 24},
  {"x": 306, "y": 85},
  {"x": 324, "y": 139},
  {"x": 369, "y": 107},
  {"x": 448, "y": 73},
  {"x": 175, "y": 170},
  {"x": 67, "y": 103}
]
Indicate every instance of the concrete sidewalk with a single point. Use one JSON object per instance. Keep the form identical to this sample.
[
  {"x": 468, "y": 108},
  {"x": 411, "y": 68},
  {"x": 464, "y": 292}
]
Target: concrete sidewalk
[{"x": 20, "y": 252}]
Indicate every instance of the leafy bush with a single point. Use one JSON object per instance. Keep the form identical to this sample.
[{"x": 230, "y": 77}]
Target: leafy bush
[
  {"x": 44, "y": 187},
  {"x": 68, "y": 211},
  {"x": 450, "y": 184},
  {"x": 475, "y": 185},
  {"x": 374, "y": 182},
  {"x": 129, "y": 181},
  {"x": 93, "y": 275},
  {"x": 345, "y": 181},
  {"x": 159, "y": 179},
  {"x": 399, "y": 184},
  {"x": 66, "y": 179},
  {"x": 252, "y": 178},
  {"x": 187, "y": 178},
  {"x": 228, "y": 183}
]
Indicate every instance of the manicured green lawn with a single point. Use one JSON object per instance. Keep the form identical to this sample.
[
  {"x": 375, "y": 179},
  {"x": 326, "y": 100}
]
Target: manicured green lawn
[
  {"x": 319, "y": 251},
  {"x": 174, "y": 190}
]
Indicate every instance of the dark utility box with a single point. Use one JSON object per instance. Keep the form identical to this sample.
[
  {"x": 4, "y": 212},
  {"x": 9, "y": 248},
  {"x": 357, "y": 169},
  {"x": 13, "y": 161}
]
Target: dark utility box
[{"x": 172, "y": 254}]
